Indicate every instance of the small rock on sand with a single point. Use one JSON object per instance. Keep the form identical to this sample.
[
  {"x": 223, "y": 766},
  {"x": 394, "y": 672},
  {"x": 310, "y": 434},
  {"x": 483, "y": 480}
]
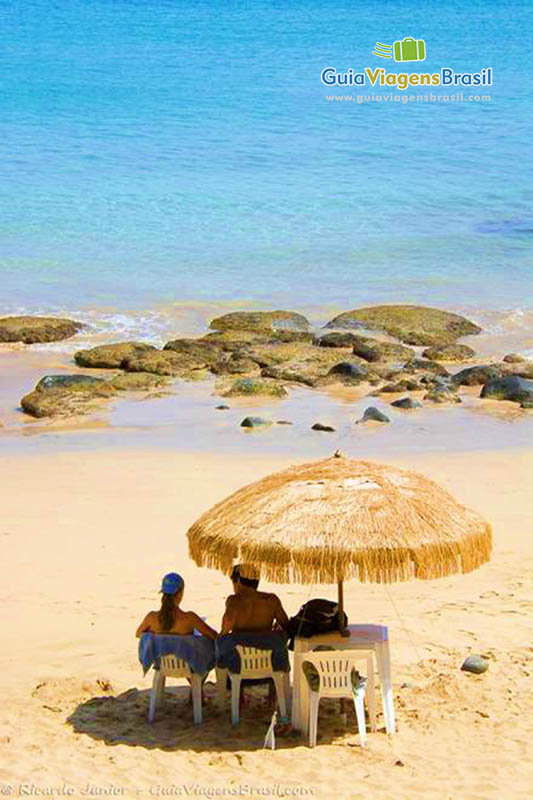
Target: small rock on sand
[{"x": 475, "y": 664}]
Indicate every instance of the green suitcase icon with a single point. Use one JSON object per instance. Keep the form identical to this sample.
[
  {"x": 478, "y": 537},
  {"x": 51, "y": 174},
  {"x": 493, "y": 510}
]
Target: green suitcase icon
[{"x": 410, "y": 49}]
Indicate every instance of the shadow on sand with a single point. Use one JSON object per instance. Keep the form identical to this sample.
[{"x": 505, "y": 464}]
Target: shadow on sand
[{"x": 124, "y": 720}]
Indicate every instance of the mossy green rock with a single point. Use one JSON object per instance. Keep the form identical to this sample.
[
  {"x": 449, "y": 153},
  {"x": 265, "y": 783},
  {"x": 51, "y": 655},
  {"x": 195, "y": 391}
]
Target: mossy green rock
[
  {"x": 138, "y": 382},
  {"x": 236, "y": 365},
  {"x": 372, "y": 350},
  {"x": 416, "y": 325},
  {"x": 441, "y": 394},
  {"x": 64, "y": 401},
  {"x": 298, "y": 362},
  {"x": 513, "y": 358},
  {"x": 245, "y": 387},
  {"x": 450, "y": 352},
  {"x": 207, "y": 350},
  {"x": 165, "y": 362},
  {"x": 260, "y": 321},
  {"x": 65, "y": 381},
  {"x": 34, "y": 330},
  {"x": 111, "y": 356},
  {"x": 426, "y": 366}
]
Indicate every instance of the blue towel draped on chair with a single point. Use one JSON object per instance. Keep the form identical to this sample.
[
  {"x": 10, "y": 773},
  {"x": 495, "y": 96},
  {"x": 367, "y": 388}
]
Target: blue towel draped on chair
[
  {"x": 197, "y": 651},
  {"x": 227, "y": 656}
]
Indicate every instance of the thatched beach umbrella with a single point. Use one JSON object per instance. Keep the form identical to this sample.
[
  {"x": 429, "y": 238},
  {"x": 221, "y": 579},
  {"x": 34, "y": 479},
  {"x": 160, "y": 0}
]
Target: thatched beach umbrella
[{"x": 336, "y": 519}]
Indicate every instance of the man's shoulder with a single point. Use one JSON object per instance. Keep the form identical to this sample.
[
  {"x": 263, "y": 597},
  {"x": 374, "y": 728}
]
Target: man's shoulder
[
  {"x": 269, "y": 597},
  {"x": 232, "y": 599}
]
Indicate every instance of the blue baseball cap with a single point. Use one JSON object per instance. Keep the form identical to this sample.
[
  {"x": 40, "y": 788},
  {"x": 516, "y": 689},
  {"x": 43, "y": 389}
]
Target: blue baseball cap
[{"x": 172, "y": 583}]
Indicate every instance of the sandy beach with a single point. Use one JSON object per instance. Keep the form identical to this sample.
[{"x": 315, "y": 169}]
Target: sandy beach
[{"x": 85, "y": 537}]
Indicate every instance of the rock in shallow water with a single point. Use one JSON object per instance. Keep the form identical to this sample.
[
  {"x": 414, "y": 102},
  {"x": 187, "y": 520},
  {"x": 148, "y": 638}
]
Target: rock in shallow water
[
  {"x": 510, "y": 387},
  {"x": 418, "y": 325},
  {"x": 318, "y": 426},
  {"x": 450, "y": 352},
  {"x": 246, "y": 387},
  {"x": 348, "y": 371},
  {"x": 442, "y": 394},
  {"x": 513, "y": 358},
  {"x": 475, "y": 376},
  {"x": 32, "y": 330},
  {"x": 255, "y": 422},
  {"x": 373, "y": 414},
  {"x": 260, "y": 321},
  {"x": 475, "y": 664},
  {"x": 406, "y": 402},
  {"x": 62, "y": 381},
  {"x": 110, "y": 356}
]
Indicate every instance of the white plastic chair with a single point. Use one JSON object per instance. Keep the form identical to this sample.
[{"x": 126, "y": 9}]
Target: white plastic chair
[
  {"x": 257, "y": 663},
  {"x": 172, "y": 667},
  {"x": 334, "y": 670}
]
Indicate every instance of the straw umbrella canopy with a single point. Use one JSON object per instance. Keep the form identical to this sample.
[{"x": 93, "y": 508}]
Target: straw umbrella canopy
[{"x": 337, "y": 519}]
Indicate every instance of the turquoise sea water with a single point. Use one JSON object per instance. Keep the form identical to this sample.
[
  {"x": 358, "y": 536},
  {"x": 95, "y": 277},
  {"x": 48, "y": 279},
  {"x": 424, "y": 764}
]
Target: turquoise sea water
[{"x": 162, "y": 151}]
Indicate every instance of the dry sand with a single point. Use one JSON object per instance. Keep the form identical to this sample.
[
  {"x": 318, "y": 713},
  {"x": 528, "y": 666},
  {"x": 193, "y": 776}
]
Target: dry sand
[{"x": 85, "y": 538}]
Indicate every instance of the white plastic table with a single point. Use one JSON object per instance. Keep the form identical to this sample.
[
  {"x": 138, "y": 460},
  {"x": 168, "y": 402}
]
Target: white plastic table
[{"x": 373, "y": 638}]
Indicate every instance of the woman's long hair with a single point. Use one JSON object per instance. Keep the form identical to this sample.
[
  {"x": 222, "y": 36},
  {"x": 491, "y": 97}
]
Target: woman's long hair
[{"x": 167, "y": 612}]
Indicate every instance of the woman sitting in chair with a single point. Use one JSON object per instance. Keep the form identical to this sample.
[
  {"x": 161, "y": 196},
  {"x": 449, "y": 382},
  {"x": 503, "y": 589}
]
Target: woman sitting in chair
[{"x": 171, "y": 619}]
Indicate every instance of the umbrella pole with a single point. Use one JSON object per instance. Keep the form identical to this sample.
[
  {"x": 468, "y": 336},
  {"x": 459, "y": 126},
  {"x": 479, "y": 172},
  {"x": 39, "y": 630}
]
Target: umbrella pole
[{"x": 342, "y": 629}]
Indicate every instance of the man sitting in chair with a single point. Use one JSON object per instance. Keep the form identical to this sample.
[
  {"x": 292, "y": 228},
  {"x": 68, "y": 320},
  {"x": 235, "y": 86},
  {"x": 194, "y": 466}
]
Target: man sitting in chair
[{"x": 248, "y": 610}]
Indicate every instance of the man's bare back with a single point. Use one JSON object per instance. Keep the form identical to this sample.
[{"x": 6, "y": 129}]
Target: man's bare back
[{"x": 250, "y": 610}]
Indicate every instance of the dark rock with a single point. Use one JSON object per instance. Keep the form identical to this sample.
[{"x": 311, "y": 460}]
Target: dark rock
[
  {"x": 63, "y": 381},
  {"x": 475, "y": 376},
  {"x": 255, "y": 422},
  {"x": 416, "y": 325},
  {"x": 373, "y": 414},
  {"x": 349, "y": 371},
  {"x": 254, "y": 386},
  {"x": 423, "y": 365},
  {"x": 475, "y": 664},
  {"x": 513, "y": 358},
  {"x": 110, "y": 356},
  {"x": 403, "y": 385},
  {"x": 336, "y": 339},
  {"x": 283, "y": 422},
  {"x": 319, "y": 427},
  {"x": 260, "y": 321},
  {"x": 450, "y": 352},
  {"x": 222, "y": 408},
  {"x": 406, "y": 402},
  {"x": 32, "y": 330},
  {"x": 510, "y": 387},
  {"x": 526, "y": 404}
]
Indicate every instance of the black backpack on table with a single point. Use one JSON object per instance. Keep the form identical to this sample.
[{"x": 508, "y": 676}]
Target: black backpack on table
[{"x": 315, "y": 616}]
